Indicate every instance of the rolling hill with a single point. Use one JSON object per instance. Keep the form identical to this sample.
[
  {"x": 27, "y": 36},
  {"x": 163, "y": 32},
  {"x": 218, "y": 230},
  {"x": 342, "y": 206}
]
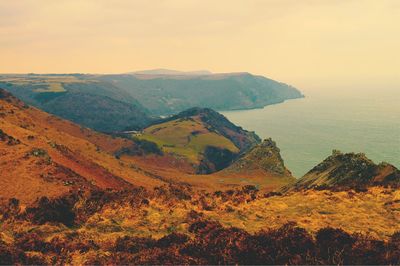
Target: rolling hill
[
  {"x": 81, "y": 99},
  {"x": 205, "y": 138}
]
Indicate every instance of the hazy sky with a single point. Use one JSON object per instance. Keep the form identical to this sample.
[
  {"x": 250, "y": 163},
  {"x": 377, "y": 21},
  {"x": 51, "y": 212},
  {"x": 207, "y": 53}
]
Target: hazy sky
[{"x": 296, "y": 41}]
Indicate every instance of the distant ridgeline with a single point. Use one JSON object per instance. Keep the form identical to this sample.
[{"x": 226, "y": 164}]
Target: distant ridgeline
[{"x": 132, "y": 101}]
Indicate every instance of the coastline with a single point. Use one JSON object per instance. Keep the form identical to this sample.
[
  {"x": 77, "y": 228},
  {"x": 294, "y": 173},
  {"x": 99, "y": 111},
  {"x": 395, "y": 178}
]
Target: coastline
[{"x": 261, "y": 106}]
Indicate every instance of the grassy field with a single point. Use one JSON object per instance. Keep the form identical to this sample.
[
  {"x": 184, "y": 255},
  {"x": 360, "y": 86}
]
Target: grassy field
[
  {"x": 186, "y": 138},
  {"x": 52, "y": 87},
  {"x": 46, "y": 83}
]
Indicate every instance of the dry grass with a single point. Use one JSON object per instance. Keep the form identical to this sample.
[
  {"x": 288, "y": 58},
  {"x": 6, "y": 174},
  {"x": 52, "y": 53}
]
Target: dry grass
[
  {"x": 373, "y": 213},
  {"x": 52, "y": 87}
]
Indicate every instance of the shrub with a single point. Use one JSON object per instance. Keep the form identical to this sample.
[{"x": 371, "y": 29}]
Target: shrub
[
  {"x": 394, "y": 249},
  {"x": 289, "y": 244},
  {"x": 10, "y": 255},
  {"x": 367, "y": 251},
  {"x": 133, "y": 244},
  {"x": 334, "y": 245},
  {"x": 30, "y": 242},
  {"x": 57, "y": 210}
]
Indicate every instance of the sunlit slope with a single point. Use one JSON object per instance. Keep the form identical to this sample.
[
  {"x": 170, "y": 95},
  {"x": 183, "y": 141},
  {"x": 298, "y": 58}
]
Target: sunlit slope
[
  {"x": 186, "y": 137},
  {"x": 374, "y": 212},
  {"x": 44, "y": 155}
]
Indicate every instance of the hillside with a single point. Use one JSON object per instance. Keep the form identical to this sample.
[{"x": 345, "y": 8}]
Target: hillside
[
  {"x": 348, "y": 171},
  {"x": 81, "y": 99},
  {"x": 262, "y": 166},
  {"x": 168, "y": 94},
  {"x": 264, "y": 156},
  {"x": 42, "y": 155},
  {"x": 131, "y": 101},
  {"x": 205, "y": 138}
]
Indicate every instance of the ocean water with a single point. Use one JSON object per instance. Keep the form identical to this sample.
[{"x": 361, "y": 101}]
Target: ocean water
[{"x": 306, "y": 130}]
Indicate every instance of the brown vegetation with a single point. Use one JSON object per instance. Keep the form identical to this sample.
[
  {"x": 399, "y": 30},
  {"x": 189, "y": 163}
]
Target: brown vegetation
[{"x": 58, "y": 232}]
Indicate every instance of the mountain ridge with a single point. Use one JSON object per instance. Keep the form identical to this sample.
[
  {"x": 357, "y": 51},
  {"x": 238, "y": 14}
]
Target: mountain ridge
[{"x": 164, "y": 71}]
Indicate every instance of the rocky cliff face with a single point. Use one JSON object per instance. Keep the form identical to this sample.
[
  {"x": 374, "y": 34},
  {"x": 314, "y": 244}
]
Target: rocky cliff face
[
  {"x": 265, "y": 157},
  {"x": 349, "y": 170}
]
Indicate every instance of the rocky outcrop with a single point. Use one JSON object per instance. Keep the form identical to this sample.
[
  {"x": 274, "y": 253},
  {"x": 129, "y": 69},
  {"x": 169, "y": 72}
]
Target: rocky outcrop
[
  {"x": 348, "y": 171},
  {"x": 264, "y": 156}
]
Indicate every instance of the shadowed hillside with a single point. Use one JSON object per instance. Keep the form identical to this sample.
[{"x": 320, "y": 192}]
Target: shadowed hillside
[
  {"x": 168, "y": 94},
  {"x": 81, "y": 99}
]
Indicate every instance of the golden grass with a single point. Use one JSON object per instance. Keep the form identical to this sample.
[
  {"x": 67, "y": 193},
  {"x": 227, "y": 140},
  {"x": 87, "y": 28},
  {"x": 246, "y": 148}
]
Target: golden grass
[
  {"x": 369, "y": 213},
  {"x": 186, "y": 138},
  {"x": 91, "y": 155},
  {"x": 52, "y": 87},
  {"x": 49, "y": 83},
  {"x": 366, "y": 213}
]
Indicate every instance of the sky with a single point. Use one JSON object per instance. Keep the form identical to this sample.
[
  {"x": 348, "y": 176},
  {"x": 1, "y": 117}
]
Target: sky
[{"x": 301, "y": 42}]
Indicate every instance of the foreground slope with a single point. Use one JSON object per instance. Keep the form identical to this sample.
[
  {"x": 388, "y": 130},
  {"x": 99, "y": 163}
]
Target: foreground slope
[{"x": 179, "y": 226}]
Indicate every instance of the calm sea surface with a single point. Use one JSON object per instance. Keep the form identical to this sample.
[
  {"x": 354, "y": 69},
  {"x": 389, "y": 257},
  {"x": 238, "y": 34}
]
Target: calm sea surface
[{"x": 306, "y": 130}]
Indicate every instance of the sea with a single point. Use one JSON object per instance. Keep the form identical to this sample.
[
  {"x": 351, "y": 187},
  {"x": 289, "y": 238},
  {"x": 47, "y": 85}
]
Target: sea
[{"x": 350, "y": 120}]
